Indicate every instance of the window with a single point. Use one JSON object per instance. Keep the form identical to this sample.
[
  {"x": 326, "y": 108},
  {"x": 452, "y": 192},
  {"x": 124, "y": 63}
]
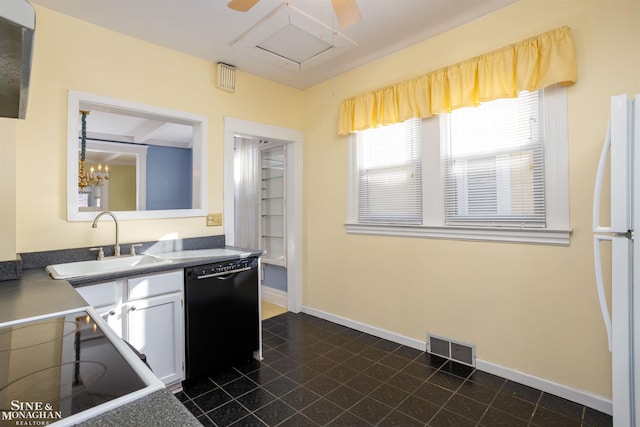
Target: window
[
  {"x": 390, "y": 174},
  {"x": 494, "y": 163},
  {"x": 496, "y": 172}
]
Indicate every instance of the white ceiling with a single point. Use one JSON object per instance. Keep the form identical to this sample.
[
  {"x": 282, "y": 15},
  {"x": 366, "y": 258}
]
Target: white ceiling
[{"x": 208, "y": 29}]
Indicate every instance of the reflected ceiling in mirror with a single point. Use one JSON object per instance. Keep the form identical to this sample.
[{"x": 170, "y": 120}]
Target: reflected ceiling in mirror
[
  {"x": 131, "y": 129},
  {"x": 155, "y": 159}
]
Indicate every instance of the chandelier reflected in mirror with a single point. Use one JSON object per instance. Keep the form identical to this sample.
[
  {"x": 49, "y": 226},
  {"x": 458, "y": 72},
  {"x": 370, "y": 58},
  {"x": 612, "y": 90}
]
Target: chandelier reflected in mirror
[{"x": 90, "y": 178}]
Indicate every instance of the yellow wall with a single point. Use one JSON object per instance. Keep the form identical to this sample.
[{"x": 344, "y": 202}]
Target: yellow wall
[
  {"x": 530, "y": 308},
  {"x": 7, "y": 189},
  {"x": 122, "y": 188},
  {"x": 72, "y": 55}
]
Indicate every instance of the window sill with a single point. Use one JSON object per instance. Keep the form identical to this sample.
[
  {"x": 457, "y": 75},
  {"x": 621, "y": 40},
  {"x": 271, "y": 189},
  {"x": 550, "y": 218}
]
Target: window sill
[{"x": 503, "y": 234}]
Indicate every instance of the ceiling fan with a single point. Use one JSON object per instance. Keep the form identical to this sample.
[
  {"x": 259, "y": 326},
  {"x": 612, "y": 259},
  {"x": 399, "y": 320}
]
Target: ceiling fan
[{"x": 346, "y": 10}]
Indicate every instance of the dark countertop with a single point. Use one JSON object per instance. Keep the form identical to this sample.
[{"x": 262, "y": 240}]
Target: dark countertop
[
  {"x": 179, "y": 260},
  {"x": 159, "y": 409},
  {"x": 37, "y": 294}
]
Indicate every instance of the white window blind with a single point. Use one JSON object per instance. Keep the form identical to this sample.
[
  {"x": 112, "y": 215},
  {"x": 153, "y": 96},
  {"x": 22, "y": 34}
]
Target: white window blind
[
  {"x": 390, "y": 174},
  {"x": 494, "y": 164}
]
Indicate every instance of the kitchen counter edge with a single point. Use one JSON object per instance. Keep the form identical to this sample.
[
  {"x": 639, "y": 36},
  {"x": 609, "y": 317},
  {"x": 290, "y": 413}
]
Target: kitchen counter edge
[
  {"x": 156, "y": 268},
  {"x": 159, "y": 409}
]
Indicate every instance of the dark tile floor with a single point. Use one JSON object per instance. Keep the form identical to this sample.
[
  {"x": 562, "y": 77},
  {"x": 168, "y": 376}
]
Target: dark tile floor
[{"x": 318, "y": 373}]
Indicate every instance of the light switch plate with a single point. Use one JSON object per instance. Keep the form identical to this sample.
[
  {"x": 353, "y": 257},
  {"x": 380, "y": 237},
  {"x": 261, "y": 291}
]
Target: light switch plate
[{"x": 214, "y": 219}]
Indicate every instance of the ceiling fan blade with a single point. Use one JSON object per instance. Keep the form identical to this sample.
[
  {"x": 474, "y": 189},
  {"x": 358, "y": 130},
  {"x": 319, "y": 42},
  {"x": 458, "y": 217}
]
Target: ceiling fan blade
[
  {"x": 242, "y": 5},
  {"x": 347, "y": 12}
]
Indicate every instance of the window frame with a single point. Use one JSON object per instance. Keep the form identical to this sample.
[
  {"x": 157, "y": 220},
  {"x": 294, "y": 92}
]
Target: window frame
[{"x": 557, "y": 230}]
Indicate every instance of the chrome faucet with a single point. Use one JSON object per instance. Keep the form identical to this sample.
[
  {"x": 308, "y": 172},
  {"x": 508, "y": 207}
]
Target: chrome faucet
[{"x": 116, "y": 248}]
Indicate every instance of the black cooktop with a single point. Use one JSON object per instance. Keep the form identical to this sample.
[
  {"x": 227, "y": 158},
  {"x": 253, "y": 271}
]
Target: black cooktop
[{"x": 57, "y": 367}]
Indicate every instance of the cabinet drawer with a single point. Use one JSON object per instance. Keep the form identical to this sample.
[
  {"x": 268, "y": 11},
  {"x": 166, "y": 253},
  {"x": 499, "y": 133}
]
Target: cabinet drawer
[
  {"x": 101, "y": 294},
  {"x": 155, "y": 284}
]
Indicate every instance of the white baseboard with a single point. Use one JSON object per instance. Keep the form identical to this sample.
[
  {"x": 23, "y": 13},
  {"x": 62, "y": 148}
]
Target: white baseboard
[
  {"x": 274, "y": 296},
  {"x": 362, "y": 327},
  {"x": 599, "y": 403}
]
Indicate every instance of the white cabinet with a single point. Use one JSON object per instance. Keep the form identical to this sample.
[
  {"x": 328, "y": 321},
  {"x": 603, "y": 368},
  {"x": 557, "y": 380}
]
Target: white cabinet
[
  {"x": 112, "y": 316},
  {"x": 155, "y": 328},
  {"x": 106, "y": 298},
  {"x": 146, "y": 311}
]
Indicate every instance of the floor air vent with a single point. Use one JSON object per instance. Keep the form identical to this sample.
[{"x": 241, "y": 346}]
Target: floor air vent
[{"x": 453, "y": 350}]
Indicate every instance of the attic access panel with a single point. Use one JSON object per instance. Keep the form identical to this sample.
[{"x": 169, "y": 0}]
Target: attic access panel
[
  {"x": 292, "y": 39},
  {"x": 294, "y": 44}
]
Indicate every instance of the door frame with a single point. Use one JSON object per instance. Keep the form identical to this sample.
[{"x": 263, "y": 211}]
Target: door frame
[{"x": 293, "y": 138}]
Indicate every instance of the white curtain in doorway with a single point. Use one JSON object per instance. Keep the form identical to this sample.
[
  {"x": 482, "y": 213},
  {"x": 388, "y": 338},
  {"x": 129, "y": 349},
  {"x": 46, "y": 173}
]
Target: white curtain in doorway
[{"x": 246, "y": 160}]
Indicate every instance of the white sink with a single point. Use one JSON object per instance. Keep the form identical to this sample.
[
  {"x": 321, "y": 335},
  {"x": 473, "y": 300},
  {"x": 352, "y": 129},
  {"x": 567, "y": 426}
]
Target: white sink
[
  {"x": 205, "y": 253},
  {"x": 108, "y": 265}
]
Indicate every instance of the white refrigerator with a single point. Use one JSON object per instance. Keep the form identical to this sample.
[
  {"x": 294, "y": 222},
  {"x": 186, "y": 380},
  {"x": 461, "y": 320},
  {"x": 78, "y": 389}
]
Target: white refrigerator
[{"x": 622, "y": 322}]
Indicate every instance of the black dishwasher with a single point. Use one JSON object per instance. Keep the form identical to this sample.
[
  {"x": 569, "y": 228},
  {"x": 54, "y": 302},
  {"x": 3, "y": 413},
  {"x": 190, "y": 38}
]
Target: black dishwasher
[{"x": 222, "y": 316}]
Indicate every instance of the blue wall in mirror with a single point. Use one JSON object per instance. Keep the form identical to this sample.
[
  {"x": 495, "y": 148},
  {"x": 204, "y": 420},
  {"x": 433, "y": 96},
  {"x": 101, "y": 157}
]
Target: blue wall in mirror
[{"x": 169, "y": 172}]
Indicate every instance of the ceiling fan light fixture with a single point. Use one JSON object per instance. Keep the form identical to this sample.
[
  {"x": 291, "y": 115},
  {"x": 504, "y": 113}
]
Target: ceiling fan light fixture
[
  {"x": 242, "y": 5},
  {"x": 347, "y": 12}
]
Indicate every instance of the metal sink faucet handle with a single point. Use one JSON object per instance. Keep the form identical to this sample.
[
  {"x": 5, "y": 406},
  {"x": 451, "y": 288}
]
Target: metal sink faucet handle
[{"x": 116, "y": 248}]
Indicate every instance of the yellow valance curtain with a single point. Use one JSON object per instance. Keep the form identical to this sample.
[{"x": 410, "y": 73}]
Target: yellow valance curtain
[{"x": 532, "y": 64}]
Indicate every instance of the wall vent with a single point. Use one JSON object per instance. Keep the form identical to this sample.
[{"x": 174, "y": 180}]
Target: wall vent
[
  {"x": 226, "y": 77},
  {"x": 453, "y": 350}
]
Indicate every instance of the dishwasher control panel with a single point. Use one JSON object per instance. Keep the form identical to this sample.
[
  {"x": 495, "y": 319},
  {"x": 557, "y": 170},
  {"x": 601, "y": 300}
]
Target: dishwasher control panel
[{"x": 221, "y": 268}]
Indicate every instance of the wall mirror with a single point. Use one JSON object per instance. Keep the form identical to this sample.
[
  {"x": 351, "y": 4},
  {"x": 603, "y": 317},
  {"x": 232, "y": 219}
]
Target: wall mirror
[{"x": 150, "y": 162}]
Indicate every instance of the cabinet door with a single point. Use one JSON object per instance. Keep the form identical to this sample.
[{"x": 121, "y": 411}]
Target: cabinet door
[
  {"x": 112, "y": 315},
  {"x": 106, "y": 299},
  {"x": 155, "y": 327}
]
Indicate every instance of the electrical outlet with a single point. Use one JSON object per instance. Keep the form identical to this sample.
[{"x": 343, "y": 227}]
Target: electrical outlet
[{"x": 214, "y": 219}]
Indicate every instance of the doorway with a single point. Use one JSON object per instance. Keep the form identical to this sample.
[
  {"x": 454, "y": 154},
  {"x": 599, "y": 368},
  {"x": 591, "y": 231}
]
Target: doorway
[{"x": 263, "y": 172}]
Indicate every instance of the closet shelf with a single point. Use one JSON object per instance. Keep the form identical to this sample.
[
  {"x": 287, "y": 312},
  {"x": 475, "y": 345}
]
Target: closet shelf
[{"x": 273, "y": 199}]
